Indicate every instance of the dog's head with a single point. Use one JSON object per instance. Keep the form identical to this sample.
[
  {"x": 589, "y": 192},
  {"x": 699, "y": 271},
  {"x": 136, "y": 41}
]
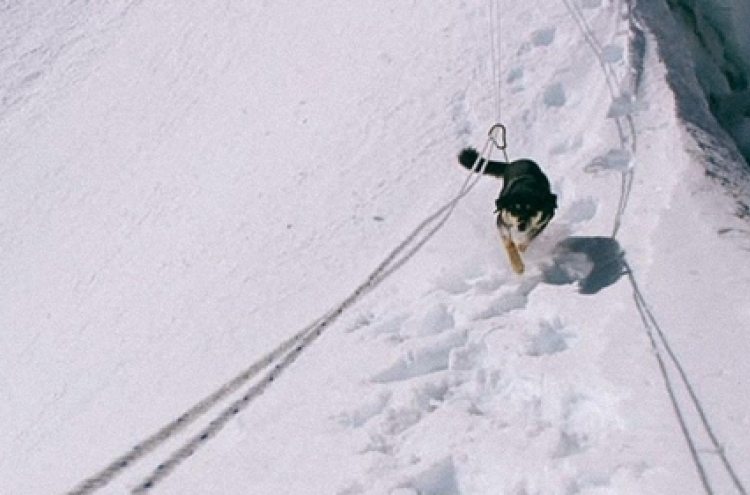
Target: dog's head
[{"x": 525, "y": 213}]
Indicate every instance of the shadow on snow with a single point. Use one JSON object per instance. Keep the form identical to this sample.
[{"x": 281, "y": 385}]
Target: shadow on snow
[{"x": 592, "y": 262}]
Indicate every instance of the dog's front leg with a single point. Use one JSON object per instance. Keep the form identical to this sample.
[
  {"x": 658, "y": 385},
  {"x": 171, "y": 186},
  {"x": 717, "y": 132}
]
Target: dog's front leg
[
  {"x": 515, "y": 258},
  {"x": 538, "y": 224},
  {"x": 510, "y": 247}
]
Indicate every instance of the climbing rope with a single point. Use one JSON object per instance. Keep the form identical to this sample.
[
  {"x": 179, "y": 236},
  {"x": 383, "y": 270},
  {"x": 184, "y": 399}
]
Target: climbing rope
[
  {"x": 187, "y": 418},
  {"x": 496, "y": 53},
  {"x": 501, "y": 144},
  {"x": 658, "y": 340}
]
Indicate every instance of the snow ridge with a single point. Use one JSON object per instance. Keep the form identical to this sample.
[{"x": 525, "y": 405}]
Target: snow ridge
[{"x": 623, "y": 92}]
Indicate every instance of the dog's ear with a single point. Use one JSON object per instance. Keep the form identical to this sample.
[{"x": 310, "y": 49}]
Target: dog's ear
[
  {"x": 553, "y": 201},
  {"x": 500, "y": 203}
]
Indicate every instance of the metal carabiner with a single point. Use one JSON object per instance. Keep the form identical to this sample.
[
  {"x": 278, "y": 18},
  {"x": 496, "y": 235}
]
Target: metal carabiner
[{"x": 493, "y": 136}]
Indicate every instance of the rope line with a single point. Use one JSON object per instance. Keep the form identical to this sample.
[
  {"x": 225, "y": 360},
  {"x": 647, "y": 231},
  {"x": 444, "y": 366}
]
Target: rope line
[
  {"x": 655, "y": 332},
  {"x": 496, "y": 52},
  {"x": 445, "y": 212},
  {"x": 651, "y": 325},
  {"x": 187, "y": 418},
  {"x": 222, "y": 419},
  {"x": 278, "y": 359}
]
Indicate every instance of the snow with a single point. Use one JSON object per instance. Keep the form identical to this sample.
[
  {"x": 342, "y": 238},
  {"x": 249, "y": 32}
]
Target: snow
[
  {"x": 715, "y": 31},
  {"x": 188, "y": 186}
]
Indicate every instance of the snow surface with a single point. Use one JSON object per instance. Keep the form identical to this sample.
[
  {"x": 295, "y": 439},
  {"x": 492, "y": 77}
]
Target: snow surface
[{"x": 186, "y": 185}]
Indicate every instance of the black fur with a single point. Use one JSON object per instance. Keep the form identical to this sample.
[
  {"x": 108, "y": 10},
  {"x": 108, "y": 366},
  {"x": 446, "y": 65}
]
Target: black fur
[{"x": 526, "y": 190}]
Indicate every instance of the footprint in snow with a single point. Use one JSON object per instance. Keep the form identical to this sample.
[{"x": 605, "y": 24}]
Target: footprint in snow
[
  {"x": 423, "y": 358},
  {"x": 383, "y": 419},
  {"x": 586, "y": 421},
  {"x": 622, "y": 106},
  {"x": 437, "y": 479},
  {"x": 591, "y": 4},
  {"x": 580, "y": 211},
  {"x": 554, "y": 95},
  {"x": 370, "y": 407},
  {"x": 543, "y": 37},
  {"x": 551, "y": 338},
  {"x": 614, "y": 160},
  {"x": 434, "y": 320},
  {"x": 573, "y": 143},
  {"x": 501, "y": 305},
  {"x": 515, "y": 80},
  {"x": 514, "y": 75},
  {"x": 612, "y": 53}
]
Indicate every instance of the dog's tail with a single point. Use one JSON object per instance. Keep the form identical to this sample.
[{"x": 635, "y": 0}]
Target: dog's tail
[{"x": 469, "y": 156}]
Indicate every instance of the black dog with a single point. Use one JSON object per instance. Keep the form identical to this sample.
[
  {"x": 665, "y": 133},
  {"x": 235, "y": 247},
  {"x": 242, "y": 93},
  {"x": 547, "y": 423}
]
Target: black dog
[{"x": 525, "y": 204}]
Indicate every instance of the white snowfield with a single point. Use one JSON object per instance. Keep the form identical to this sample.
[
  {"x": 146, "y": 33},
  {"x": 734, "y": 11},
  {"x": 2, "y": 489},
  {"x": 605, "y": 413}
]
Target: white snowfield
[{"x": 186, "y": 185}]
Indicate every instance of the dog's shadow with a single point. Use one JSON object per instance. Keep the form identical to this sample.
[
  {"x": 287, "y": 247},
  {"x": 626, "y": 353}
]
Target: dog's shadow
[{"x": 592, "y": 262}]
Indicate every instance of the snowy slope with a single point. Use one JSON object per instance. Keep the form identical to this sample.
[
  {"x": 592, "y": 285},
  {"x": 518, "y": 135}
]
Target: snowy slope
[{"x": 188, "y": 184}]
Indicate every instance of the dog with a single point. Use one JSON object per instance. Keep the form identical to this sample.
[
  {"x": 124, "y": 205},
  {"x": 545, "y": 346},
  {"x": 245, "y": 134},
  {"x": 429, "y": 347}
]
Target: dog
[{"x": 525, "y": 204}]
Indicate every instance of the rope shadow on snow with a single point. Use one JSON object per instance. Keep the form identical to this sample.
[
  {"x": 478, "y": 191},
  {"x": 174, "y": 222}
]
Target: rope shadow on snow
[{"x": 593, "y": 262}]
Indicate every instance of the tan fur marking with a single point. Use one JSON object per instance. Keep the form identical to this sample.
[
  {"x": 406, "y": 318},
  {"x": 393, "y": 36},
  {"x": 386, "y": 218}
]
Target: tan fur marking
[
  {"x": 509, "y": 219},
  {"x": 515, "y": 259}
]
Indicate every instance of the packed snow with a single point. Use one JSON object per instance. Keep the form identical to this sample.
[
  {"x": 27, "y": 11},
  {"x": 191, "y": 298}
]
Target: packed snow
[{"x": 239, "y": 256}]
